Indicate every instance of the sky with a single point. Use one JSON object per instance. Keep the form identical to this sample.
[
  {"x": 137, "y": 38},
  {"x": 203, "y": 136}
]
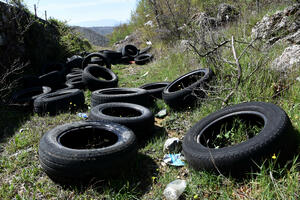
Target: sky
[{"x": 85, "y": 12}]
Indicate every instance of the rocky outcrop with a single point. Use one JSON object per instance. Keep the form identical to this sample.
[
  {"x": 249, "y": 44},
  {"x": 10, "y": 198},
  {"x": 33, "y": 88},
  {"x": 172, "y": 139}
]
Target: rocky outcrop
[
  {"x": 281, "y": 26},
  {"x": 133, "y": 38},
  {"x": 288, "y": 60},
  {"x": 227, "y": 13}
]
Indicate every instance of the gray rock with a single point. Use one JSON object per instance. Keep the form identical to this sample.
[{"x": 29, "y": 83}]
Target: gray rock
[
  {"x": 289, "y": 59},
  {"x": 283, "y": 25},
  {"x": 203, "y": 20},
  {"x": 227, "y": 13}
]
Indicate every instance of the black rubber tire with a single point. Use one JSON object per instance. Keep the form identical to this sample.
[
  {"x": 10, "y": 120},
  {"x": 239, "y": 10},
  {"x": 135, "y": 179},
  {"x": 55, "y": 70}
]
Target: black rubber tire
[
  {"x": 113, "y": 57},
  {"x": 130, "y": 50},
  {"x": 28, "y": 95},
  {"x": 181, "y": 98},
  {"x": 65, "y": 163},
  {"x": 88, "y": 58},
  {"x": 76, "y": 82},
  {"x": 75, "y": 74},
  {"x": 54, "y": 79},
  {"x": 276, "y": 135},
  {"x": 155, "y": 89},
  {"x": 74, "y": 62},
  {"x": 92, "y": 72},
  {"x": 143, "y": 59},
  {"x": 128, "y": 95},
  {"x": 125, "y": 60},
  {"x": 141, "y": 122},
  {"x": 59, "y": 101},
  {"x": 145, "y": 50}
]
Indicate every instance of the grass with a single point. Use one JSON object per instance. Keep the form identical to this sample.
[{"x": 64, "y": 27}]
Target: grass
[{"x": 21, "y": 176}]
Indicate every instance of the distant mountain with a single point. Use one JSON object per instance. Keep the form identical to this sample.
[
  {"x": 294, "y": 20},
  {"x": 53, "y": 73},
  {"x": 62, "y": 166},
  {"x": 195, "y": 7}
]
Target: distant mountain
[
  {"x": 92, "y": 36},
  {"x": 102, "y": 22},
  {"x": 102, "y": 30}
]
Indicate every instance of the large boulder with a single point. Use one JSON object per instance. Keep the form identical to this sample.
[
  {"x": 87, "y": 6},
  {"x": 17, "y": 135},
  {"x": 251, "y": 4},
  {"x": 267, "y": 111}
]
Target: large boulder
[
  {"x": 281, "y": 26},
  {"x": 227, "y": 13},
  {"x": 288, "y": 60},
  {"x": 203, "y": 20}
]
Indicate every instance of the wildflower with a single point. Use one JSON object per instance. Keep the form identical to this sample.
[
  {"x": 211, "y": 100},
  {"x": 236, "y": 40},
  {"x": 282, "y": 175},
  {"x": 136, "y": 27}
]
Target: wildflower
[
  {"x": 70, "y": 103},
  {"x": 274, "y": 157},
  {"x": 196, "y": 196}
]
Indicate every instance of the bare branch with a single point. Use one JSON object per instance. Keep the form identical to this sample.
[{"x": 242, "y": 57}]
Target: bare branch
[{"x": 239, "y": 68}]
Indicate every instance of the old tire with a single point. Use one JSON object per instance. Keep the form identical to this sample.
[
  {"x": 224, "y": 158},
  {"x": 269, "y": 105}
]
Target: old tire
[
  {"x": 59, "y": 101},
  {"x": 92, "y": 72},
  {"x": 155, "y": 89},
  {"x": 128, "y": 95},
  {"x": 76, "y": 82},
  {"x": 65, "y": 156},
  {"x": 130, "y": 50},
  {"x": 276, "y": 135},
  {"x": 138, "y": 118},
  {"x": 178, "y": 94},
  {"x": 28, "y": 95},
  {"x": 143, "y": 59},
  {"x": 100, "y": 56}
]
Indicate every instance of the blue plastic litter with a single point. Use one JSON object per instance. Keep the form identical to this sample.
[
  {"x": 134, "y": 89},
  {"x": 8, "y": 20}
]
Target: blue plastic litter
[
  {"x": 174, "y": 159},
  {"x": 82, "y": 115}
]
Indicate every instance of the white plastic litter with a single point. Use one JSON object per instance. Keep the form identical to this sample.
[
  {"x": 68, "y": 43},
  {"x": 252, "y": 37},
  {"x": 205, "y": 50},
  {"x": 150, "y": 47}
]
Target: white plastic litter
[
  {"x": 161, "y": 113},
  {"x": 149, "y": 43},
  {"x": 175, "y": 189},
  {"x": 172, "y": 145}
]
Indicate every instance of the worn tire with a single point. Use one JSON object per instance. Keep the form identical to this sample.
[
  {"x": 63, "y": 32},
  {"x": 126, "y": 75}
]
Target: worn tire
[
  {"x": 130, "y": 50},
  {"x": 145, "y": 50},
  {"x": 138, "y": 118},
  {"x": 64, "y": 158},
  {"x": 155, "y": 89},
  {"x": 113, "y": 57},
  {"x": 75, "y": 82},
  {"x": 178, "y": 98},
  {"x": 276, "y": 135},
  {"x": 88, "y": 58},
  {"x": 74, "y": 74},
  {"x": 59, "y": 101},
  {"x": 28, "y": 95},
  {"x": 92, "y": 72},
  {"x": 128, "y": 95},
  {"x": 143, "y": 59}
]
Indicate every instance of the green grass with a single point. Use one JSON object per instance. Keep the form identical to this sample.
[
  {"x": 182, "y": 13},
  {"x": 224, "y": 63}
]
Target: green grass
[{"x": 21, "y": 176}]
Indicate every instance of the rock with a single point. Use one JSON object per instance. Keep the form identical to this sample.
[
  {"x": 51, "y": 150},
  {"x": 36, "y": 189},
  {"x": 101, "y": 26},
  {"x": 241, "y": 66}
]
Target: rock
[
  {"x": 162, "y": 113},
  {"x": 203, "y": 20},
  {"x": 133, "y": 38},
  {"x": 289, "y": 58},
  {"x": 283, "y": 25},
  {"x": 227, "y": 13}
]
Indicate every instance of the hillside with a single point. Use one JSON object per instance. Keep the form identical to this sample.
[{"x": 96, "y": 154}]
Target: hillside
[
  {"x": 102, "y": 30},
  {"x": 92, "y": 36}
]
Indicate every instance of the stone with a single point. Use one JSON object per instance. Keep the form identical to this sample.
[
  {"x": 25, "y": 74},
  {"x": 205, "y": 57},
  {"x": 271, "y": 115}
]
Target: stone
[
  {"x": 289, "y": 59},
  {"x": 281, "y": 26},
  {"x": 203, "y": 20},
  {"x": 227, "y": 13}
]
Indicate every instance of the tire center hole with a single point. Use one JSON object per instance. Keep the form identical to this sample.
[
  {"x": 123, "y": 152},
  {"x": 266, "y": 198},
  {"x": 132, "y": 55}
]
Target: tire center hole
[
  {"x": 231, "y": 130},
  {"x": 88, "y": 138},
  {"x": 121, "y": 112},
  {"x": 118, "y": 92},
  {"x": 186, "y": 82}
]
